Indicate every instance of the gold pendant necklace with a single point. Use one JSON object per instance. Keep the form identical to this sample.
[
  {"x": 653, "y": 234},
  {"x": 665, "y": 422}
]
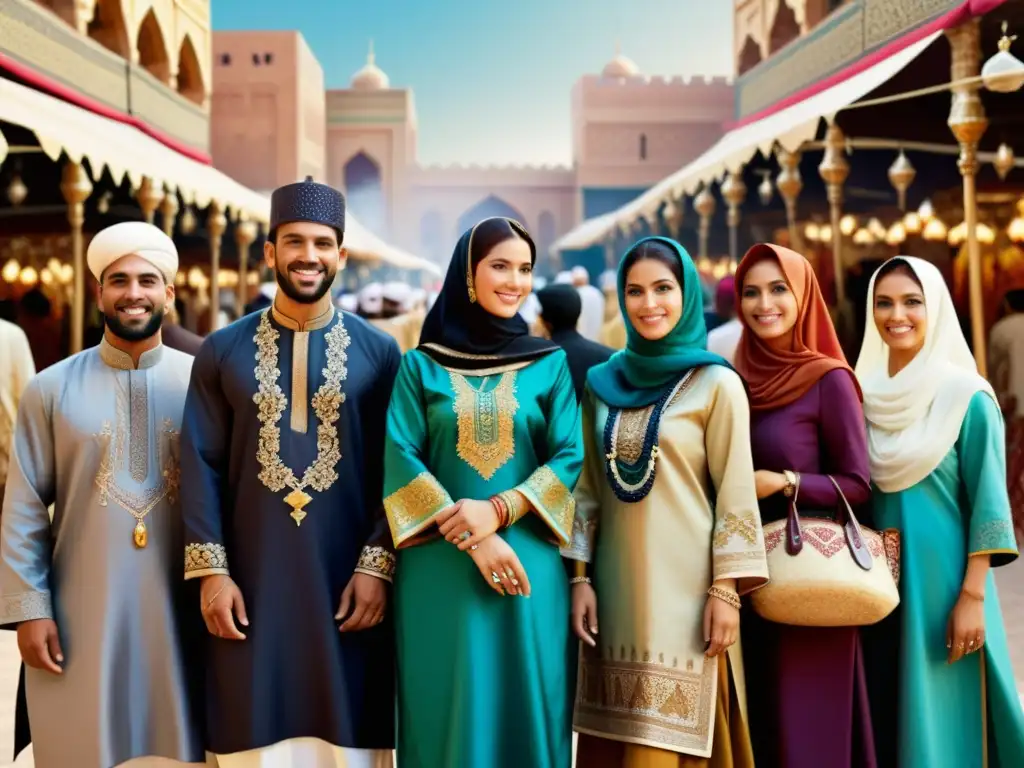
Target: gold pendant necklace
[{"x": 272, "y": 403}]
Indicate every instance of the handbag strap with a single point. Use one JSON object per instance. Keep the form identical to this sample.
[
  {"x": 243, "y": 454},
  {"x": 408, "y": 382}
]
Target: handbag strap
[
  {"x": 794, "y": 535},
  {"x": 854, "y": 535}
]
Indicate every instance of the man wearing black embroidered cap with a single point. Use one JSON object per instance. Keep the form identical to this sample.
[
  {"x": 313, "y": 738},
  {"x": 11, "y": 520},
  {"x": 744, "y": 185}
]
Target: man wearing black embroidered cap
[{"x": 282, "y": 454}]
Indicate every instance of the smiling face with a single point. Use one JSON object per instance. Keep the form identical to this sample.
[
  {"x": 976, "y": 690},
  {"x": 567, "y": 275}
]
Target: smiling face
[
  {"x": 768, "y": 304},
  {"x": 504, "y": 277},
  {"x": 133, "y": 296},
  {"x": 305, "y": 257},
  {"x": 900, "y": 313},
  {"x": 654, "y": 298}
]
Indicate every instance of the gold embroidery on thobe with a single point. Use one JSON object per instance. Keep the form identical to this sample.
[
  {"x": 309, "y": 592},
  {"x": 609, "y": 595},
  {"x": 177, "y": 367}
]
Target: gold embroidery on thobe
[
  {"x": 486, "y": 423},
  {"x": 205, "y": 560},
  {"x": 376, "y": 561},
  {"x": 629, "y": 438},
  {"x": 411, "y": 507},
  {"x": 271, "y": 404},
  {"x": 552, "y": 500},
  {"x": 641, "y": 700}
]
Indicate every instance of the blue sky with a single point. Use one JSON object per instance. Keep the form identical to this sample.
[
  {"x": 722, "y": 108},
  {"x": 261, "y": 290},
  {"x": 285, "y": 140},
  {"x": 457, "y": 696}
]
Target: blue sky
[{"x": 492, "y": 80}]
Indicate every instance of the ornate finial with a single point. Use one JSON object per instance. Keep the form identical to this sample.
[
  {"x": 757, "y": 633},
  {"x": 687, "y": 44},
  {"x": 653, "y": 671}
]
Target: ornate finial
[
  {"x": 370, "y": 55},
  {"x": 1006, "y": 40}
]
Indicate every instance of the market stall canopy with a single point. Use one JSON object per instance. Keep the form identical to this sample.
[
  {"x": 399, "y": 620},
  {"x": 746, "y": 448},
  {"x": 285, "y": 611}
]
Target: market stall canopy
[
  {"x": 363, "y": 243},
  {"x": 789, "y": 127},
  {"x": 61, "y": 127}
]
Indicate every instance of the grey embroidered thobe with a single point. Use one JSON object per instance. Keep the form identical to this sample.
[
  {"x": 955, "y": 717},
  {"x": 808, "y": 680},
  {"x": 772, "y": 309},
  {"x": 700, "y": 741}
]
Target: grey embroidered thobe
[{"x": 98, "y": 438}]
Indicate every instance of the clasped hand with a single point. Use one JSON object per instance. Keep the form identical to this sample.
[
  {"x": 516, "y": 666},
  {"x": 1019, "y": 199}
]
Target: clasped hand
[{"x": 493, "y": 556}]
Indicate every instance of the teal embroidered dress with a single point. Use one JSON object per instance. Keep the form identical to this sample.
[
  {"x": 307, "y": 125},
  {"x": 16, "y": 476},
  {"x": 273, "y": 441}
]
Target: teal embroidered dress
[
  {"x": 483, "y": 679},
  {"x": 960, "y": 714}
]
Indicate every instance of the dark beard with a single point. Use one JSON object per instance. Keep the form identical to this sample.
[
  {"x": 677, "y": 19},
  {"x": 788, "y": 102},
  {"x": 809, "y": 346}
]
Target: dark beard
[
  {"x": 293, "y": 293},
  {"x": 141, "y": 333}
]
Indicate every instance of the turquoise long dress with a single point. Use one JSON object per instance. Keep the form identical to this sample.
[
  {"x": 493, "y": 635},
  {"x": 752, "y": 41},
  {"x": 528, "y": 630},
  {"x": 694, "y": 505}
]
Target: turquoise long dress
[
  {"x": 483, "y": 680},
  {"x": 960, "y": 509}
]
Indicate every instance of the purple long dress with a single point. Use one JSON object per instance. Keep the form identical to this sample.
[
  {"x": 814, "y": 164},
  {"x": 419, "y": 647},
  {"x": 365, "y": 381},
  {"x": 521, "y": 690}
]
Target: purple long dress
[{"x": 808, "y": 702}]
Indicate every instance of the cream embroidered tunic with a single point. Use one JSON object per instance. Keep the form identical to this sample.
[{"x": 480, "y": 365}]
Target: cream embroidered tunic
[
  {"x": 98, "y": 438},
  {"x": 653, "y": 561}
]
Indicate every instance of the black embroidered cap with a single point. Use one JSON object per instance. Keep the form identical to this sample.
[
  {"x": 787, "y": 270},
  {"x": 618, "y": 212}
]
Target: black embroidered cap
[{"x": 307, "y": 201}]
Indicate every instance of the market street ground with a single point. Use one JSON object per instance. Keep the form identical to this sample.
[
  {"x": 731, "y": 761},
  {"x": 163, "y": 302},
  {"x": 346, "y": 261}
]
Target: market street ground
[{"x": 1010, "y": 581}]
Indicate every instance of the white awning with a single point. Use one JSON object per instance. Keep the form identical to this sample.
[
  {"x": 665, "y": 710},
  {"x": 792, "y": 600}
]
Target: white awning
[
  {"x": 122, "y": 148},
  {"x": 789, "y": 127},
  {"x": 61, "y": 127}
]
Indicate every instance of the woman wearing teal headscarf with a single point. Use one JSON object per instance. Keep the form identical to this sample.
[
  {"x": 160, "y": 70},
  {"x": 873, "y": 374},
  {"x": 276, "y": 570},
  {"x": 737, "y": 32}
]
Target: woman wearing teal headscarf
[{"x": 667, "y": 534}]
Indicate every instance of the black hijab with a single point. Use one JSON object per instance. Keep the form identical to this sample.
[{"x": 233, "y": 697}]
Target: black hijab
[{"x": 458, "y": 332}]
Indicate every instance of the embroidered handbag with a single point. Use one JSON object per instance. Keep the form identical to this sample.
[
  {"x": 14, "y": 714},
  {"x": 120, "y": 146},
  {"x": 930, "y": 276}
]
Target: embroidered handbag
[{"x": 825, "y": 573}]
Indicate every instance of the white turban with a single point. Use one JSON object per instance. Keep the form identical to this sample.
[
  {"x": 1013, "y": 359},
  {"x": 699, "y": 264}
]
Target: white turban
[
  {"x": 371, "y": 298},
  {"x": 396, "y": 292},
  {"x": 563, "y": 278},
  {"x": 609, "y": 281},
  {"x": 579, "y": 272},
  {"x": 133, "y": 238},
  {"x": 348, "y": 302}
]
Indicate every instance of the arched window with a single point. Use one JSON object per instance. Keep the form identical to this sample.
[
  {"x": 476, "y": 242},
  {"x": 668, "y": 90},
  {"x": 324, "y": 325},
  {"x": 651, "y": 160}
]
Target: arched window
[
  {"x": 489, "y": 206},
  {"x": 152, "y": 52},
  {"x": 364, "y": 191},
  {"x": 108, "y": 27},
  {"x": 190, "y": 78}
]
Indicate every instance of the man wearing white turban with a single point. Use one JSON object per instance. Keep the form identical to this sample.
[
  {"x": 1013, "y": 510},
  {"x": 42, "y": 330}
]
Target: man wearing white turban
[
  {"x": 97, "y": 438},
  {"x": 592, "y": 316}
]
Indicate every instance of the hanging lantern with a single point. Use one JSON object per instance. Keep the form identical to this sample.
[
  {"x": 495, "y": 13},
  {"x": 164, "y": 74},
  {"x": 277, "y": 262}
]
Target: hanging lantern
[
  {"x": 897, "y": 234},
  {"x": 28, "y": 276},
  {"x": 1016, "y": 228},
  {"x": 848, "y": 224},
  {"x": 825, "y": 233},
  {"x": 1004, "y": 159},
  {"x": 901, "y": 176},
  {"x": 11, "y": 271},
  {"x": 766, "y": 190},
  {"x": 1004, "y": 72},
  {"x": 934, "y": 231},
  {"x": 926, "y": 211},
  {"x": 17, "y": 191},
  {"x": 863, "y": 236},
  {"x": 704, "y": 202},
  {"x": 187, "y": 223},
  {"x": 811, "y": 231},
  {"x": 912, "y": 223},
  {"x": 877, "y": 228}
]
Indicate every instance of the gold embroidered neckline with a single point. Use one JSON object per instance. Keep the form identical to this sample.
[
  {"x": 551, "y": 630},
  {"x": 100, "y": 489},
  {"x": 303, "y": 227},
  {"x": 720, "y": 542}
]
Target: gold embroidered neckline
[
  {"x": 271, "y": 404},
  {"x": 486, "y": 425},
  {"x": 122, "y": 361},
  {"x": 312, "y": 324}
]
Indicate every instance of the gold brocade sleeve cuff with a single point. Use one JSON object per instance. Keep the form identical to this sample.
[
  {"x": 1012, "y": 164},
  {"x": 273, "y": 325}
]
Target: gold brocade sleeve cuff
[
  {"x": 551, "y": 500},
  {"x": 412, "y": 507},
  {"x": 738, "y": 552},
  {"x": 207, "y": 559},
  {"x": 377, "y": 561}
]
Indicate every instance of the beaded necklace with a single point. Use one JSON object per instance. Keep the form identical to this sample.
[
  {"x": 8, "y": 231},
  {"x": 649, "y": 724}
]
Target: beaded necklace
[{"x": 632, "y": 481}]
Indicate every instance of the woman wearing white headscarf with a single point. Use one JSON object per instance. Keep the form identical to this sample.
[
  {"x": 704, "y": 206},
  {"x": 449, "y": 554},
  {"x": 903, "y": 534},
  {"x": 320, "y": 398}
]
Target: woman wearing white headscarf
[{"x": 938, "y": 466}]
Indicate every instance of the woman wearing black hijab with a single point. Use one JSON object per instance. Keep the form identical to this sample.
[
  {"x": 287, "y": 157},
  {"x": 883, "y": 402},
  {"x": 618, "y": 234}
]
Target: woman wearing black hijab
[{"x": 483, "y": 449}]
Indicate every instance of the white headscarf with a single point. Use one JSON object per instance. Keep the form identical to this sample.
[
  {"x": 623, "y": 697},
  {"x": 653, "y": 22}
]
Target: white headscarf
[{"x": 914, "y": 417}]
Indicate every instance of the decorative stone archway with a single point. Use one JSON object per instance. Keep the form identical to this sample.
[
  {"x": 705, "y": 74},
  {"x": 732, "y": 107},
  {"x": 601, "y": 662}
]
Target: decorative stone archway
[
  {"x": 785, "y": 28},
  {"x": 489, "y": 206},
  {"x": 109, "y": 29},
  {"x": 364, "y": 191},
  {"x": 153, "y": 56},
  {"x": 190, "y": 76},
  {"x": 750, "y": 56}
]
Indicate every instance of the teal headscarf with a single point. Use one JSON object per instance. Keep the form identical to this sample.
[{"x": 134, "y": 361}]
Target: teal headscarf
[{"x": 638, "y": 375}]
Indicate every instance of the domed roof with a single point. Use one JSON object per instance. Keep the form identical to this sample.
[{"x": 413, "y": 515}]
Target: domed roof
[
  {"x": 620, "y": 67},
  {"x": 370, "y": 77}
]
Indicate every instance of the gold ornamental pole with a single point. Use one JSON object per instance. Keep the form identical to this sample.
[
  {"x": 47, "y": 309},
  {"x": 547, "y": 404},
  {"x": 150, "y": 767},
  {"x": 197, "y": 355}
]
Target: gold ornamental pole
[
  {"x": 735, "y": 192},
  {"x": 76, "y": 188},
  {"x": 148, "y": 198},
  {"x": 216, "y": 223},
  {"x": 968, "y": 123},
  {"x": 168, "y": 211},
  {"x": 789, "y": 185},
  {"x": 245, "y": 235},
  {"x": 704, "y": 205},
  {"x": 834, "y": 170}
]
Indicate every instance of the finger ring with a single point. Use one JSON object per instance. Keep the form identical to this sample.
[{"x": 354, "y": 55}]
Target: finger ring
[
  {"x": 515, "y": 582},
  {"x": 473, "y": 547},
  {"x": 970, "y": 644},
  {"x": 495, "y": 578},
  {"x": 465, "y": 535},
  {"x": 509, "y": 572},
  {"x": 960, "y": 647}
]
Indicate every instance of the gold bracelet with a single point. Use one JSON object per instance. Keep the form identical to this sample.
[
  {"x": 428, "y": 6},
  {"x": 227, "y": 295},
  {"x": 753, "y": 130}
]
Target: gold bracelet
[
  {"x": 790, "y": 486},
  {"x": 215, "y": 596},
  {"x": 725, "y": 595},
  {"x": 973, "y": 595},
  {"x": 579, "y": 580}
]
